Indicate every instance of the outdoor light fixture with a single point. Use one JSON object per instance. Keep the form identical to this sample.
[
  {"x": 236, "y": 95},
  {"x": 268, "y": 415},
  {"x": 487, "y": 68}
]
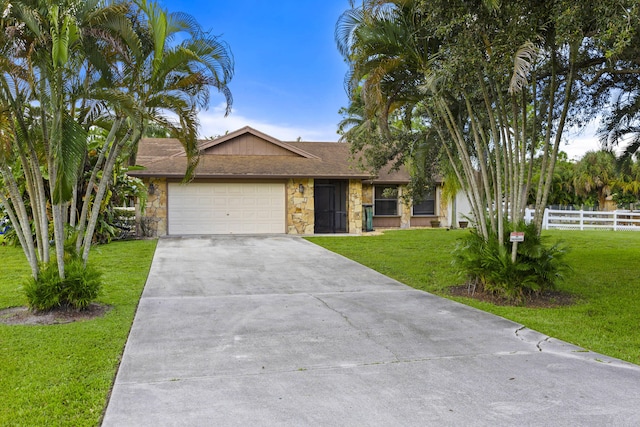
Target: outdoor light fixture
[
  {"x": 152, "y": 189},
  {"x": 301, "y": 188}
]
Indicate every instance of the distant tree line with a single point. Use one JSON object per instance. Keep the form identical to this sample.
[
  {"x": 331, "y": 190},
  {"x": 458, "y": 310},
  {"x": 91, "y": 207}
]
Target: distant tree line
[{"x": 594, "y": 178}]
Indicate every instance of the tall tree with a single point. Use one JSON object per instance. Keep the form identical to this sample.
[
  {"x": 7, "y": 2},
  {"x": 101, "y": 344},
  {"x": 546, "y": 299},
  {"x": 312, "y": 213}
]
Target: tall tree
[
  {"x": 46, "y": 52},
  {"x": 596, "y": 173},
  {"x": 69, "y": 68},
  {"x": 497, "y": 82},
  {"x": 156, "y": 82}
]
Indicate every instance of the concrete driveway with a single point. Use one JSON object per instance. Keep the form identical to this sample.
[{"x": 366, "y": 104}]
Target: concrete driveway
[{"x": 245, "y": 330}]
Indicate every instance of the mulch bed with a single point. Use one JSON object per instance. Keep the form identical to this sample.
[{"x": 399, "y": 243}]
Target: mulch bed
[
  {"x": 548, "y": 299},
  {"x": 24, "y": 316}
]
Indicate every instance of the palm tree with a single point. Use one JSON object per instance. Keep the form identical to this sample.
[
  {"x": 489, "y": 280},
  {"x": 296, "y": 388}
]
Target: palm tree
[
  {"x": 495, "y": 88},
  {"x": 378, "y": 40},
  {"x": 621, "y": 126},
  {"x": 49, "y": 47},
  {"x": 159, "y": 83},
  {"x": 596, "y": 173},
  {"x": 71, "y": 67}
]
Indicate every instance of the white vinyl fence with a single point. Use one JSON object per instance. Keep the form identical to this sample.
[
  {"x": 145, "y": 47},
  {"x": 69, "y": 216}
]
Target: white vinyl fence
[{"x": 587, "y": 220}]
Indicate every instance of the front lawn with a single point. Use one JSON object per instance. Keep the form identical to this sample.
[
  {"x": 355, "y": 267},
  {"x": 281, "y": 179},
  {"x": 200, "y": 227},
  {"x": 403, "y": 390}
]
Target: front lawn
[
  {"x": 61, "y": 374},
  {"x": 605, "y": 282}
]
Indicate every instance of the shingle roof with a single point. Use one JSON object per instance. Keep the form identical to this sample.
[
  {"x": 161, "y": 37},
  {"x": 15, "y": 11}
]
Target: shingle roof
[{"x": 165, "y": 157}]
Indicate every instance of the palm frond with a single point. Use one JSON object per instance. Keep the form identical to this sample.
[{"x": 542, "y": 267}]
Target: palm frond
[
  {"x": 523, "y": 62},
  {"x": 68, "y": 155},
  {"x": 347, "y": 24}
]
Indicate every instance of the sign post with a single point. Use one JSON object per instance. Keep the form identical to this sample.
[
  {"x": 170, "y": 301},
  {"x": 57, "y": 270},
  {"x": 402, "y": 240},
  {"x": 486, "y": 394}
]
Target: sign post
[{"x": 514, "y": 238}]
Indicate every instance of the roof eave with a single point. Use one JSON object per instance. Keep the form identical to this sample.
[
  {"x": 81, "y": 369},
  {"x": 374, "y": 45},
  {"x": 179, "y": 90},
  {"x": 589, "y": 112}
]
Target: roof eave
[{"x": 145, "y": 174}]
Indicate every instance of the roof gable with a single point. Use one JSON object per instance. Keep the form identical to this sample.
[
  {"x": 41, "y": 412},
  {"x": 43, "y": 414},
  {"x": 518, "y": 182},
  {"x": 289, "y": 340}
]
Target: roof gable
[
  {"x": 250, "y": 154},
  {"x": 250, "y": 142}
]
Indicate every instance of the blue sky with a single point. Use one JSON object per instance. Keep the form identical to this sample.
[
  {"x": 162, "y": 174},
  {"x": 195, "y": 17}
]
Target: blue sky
[{"x": 289, "y": 75}]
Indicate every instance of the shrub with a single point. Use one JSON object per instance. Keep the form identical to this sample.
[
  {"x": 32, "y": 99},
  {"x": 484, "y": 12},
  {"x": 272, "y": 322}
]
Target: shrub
[
  {"x": 488, "y": 264},
  {"x": 77, "y": 290}
]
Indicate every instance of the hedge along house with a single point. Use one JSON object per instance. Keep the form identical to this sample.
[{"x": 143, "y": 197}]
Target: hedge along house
[{"x": 247, "y": 182}]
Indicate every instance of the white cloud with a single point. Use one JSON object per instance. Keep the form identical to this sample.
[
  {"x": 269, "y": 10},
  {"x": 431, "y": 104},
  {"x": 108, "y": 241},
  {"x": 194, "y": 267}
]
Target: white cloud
[
  {"x": 578, "y": 141},
  {"x": 213, "y": 123}
]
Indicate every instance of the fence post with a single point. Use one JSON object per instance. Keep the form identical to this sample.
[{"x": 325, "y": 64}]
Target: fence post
[
  {"x": 615, "y": 220},
  {"x": 545, "y": 219},
  {"x": 581, "y": 220}
]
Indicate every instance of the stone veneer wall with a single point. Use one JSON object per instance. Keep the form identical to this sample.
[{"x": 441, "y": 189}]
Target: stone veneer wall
[
  {"x": 404, "y": 207},
  {"x": 367, "y": 194},
  {"x": 154, "y": 218},
  {"x": 354, "y": 207},
  {"x": 300, "y": 206}
]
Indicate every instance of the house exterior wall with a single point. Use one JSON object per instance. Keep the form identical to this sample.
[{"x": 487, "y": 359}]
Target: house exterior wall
[
  {"x": 378, "y": 221},
  {"x": 367, "y": 193},
  {"x": 299, "y": 210},
  {"x": 153, "y": 222},
  {"x": 404, "y": 208},
  {"x": 354, "y": 207},
  {"x": 440, "y": 219},
  {"x": 443, "y": 209},
  {"x": 249, "y": 145},
  {"x": 461, "y": 209},
  {"x": 405, "y": 219},
  {"x": 300, "y": 206}
]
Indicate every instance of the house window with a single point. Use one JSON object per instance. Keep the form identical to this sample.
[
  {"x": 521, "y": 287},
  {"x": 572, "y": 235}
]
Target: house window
[
  {"x": 427, "y": 206},
  {"x": 386, "y": 200}
]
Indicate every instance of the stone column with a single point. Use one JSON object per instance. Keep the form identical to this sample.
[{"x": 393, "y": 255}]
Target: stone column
[
  {"x": 300, "y": 206},
  {"x": 405, "y": 208},
  {"x": 154, "y": 218},
  {"x": 354, "y": 207}
]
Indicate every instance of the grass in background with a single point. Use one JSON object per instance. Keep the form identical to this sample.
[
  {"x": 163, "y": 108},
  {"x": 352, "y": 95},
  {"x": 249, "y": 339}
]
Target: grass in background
[
  {"x": 605, "y": 282},
  {"x": 62, "y": 374}
]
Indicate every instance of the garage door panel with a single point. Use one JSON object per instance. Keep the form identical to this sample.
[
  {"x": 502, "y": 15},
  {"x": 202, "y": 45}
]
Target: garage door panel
[
  {"x": 249, "y": 216},
  {"x": 226, "y": 208},
  {"x": 236, "y": 202}
]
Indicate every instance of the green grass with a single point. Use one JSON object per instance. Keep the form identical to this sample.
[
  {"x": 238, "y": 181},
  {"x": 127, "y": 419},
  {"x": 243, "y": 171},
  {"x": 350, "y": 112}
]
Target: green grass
[
  {"x": 605, "y": 282},
  {"x": 62, "y": 374}
]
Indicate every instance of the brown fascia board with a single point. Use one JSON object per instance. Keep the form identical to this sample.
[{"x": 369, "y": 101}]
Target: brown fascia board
[
  {"x": 365, "y": 177},
  {"x": 170, "y": 175},
  {"x": 141, "y": 174},
  {"x": 257, "y": 133},
  {"x": 387, "y": 181},
  {"x": 375, "y": 181}
]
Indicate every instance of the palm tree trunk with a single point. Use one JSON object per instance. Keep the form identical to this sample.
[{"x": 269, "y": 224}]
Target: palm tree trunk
[
  {"x": 102, "y": 189},
  {"x": 82, "y": 221},
  {"x": 558, "y": 137},
  {"x": 19, "y": 218},
  {"x": 58, "y": 224},
  {"x": 469, "y": 173},
  {"x": 73, "y": 207}
]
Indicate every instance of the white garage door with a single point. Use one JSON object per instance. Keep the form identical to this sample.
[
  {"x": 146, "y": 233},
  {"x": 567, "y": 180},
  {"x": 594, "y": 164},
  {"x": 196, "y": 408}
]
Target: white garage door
[{"x": 226, "y": 208}]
